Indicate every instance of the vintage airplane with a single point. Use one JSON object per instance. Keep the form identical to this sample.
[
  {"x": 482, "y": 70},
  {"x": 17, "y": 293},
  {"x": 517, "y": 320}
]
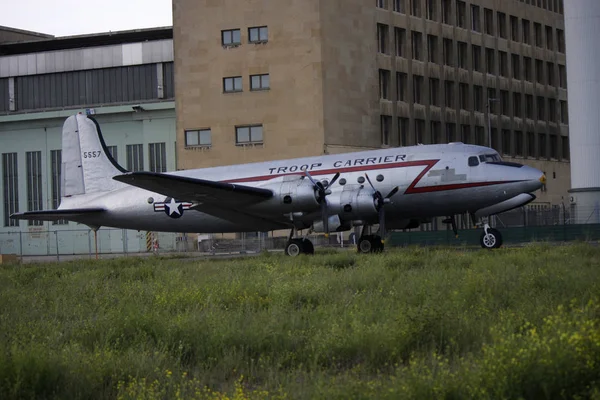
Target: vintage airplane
[{"x": 397, "y": 188}]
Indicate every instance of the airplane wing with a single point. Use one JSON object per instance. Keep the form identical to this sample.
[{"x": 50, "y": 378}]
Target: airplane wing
[
  {"x": 196, "y": 190},
  {"x": 56, "y": 215}
]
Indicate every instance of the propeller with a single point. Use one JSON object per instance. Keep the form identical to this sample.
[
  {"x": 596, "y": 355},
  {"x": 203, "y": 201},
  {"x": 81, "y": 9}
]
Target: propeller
[
  {"x": 322, "y": 190},
  {"x": 380, "y": 202}
]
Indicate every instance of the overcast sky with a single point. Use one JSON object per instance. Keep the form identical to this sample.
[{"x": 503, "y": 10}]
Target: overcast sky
[{"x": 75, "y": 17}]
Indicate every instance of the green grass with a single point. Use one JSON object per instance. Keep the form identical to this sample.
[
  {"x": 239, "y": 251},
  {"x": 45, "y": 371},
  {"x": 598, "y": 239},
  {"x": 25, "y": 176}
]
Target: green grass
[{"x": 414, "y": 323}]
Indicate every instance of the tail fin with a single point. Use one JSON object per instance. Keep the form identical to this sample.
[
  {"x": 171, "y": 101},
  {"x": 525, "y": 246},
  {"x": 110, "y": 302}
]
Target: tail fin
[{"x": 87, "y": 165}]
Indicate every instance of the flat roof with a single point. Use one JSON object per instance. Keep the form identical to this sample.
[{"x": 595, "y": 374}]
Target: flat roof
[
  {"x": 89, "y": 40},
  {"x": 24, "y": 32}
]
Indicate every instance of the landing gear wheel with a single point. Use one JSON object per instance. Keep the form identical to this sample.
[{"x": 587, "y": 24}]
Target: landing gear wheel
[
  {"x": 491, "y": 240},
  {"x": 293, "y": 248},
  {"x": 369, "y": 244}
]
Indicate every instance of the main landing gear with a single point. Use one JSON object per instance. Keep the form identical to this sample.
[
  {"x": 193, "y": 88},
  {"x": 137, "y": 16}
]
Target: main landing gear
[
  {"x": 368, "y": 243},
  {"x": 297, "y": 246}
]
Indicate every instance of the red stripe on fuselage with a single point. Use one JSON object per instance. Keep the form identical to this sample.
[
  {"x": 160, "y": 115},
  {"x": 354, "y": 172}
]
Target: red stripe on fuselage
[{"x": 412, "y": 189}]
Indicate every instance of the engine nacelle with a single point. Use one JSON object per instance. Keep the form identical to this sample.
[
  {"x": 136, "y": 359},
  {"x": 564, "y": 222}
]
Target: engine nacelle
[
  {"x": 357, "y": 204},
  {"x": 291, "y": 194}
]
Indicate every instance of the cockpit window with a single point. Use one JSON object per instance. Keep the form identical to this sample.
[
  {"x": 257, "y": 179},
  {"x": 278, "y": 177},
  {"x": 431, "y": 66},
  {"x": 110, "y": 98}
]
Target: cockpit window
[
  {"x": 489, "y": 158},
  {"x": 473, "y": 161}
]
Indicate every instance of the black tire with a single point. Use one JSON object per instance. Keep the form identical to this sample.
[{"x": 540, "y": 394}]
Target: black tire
[
  {"x": 293, "y": 248},
  {"x": 365, "y": 244},
  {"x": 377, "y": 244},
  {"x": 492, "y": 240},
  {"x": 307, "y": 247}
]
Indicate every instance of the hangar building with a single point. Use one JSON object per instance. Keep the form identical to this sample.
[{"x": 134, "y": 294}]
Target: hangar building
[{"x": 125, "y": 79}]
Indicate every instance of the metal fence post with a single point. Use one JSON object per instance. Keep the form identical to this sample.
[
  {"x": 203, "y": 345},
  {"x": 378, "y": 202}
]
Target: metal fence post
[
  {"x": 21, "y": 244},
  {"x": 57, "y": 252}
]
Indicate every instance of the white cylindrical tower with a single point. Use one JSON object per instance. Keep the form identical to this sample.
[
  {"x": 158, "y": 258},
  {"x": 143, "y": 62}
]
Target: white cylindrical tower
[{"x": 582, "y": 37}]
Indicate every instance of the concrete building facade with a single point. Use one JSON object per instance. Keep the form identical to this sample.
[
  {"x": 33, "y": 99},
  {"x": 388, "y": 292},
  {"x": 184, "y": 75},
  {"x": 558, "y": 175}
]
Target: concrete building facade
[
  {"x": 263, "y": 79},
  {"x": 125, "y": 79}
]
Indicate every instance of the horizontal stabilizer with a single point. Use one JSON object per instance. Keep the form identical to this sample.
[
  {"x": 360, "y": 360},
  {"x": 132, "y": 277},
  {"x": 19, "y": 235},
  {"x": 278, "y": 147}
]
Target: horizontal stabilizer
[
  {"x": 56, "y": 215},
  {"x": 195, "y": 190}
]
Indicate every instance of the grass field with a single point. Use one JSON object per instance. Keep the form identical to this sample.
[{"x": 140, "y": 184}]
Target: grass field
[{"x": 414, "y": 323}]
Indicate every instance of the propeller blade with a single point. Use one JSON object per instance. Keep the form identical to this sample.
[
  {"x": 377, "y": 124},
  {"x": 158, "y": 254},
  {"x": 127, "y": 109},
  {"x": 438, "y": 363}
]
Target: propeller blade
[
  {"x": 311, "y": 178},
  {"x": 335, "y": 178},
  {"x": 325, "y": 217},
  {"x": 393, "y": 192},
  {"x": 369, "y": 180}
]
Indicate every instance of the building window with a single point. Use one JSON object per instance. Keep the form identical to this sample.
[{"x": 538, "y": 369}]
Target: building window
[
  {"x": 249, "y": 134},
  {"x": 502, "y": 25},
  {"x": 476, "y": 50},
  {"x": 381, "y": 4},
  {"x": 416, "y": 45},
  {"x": 519, "y": 143},
  {"x": 514, "y": 28},
  {"x": 526, "y": 28},
  {"x": 564, "y": 112},
  {"x": 492, "y": 100},
  {"x": 386, "y": 127},
  {"x": 461, "y": 14},
  {"x": 417, "y": 89},
  {"x": 503, "y": 63},
  {"x": 34, "y": 183},
  {"x": 401, "y": 79},
  {"x": 537, "y": 31},
  {"x": 462, "y": 55},
  {"x": 539, "y": 71},
  {"x": 530, "y": 144},
  {"x": 527, "y": 68},
  {"x": 479, "y": 136},
  {"x": 436, "y": 132},
  {"x": 488, "y": 21},
  {"x": 529, "y": 106},
  {"x": 542, "y": 140},
  {"x": 260, "y": 82},
  {"x": 399, "y": 6},
  {"x": 431, "y": 11},
  {"x": 231, "y": 37},
  {"x": 400, "y": 41},
  {"x": 495, "y": 142},
  {"x": 11, "y": 187},
  {"x": 449, "y": 94},
  {"x": 419, "y": 131},
  {"x": 489, "y": 61},
  {"x": 232, "y": 84},
  {"x": 463, "y": 95},
  {"x": 382, "y": 38},
  {"x": 135, "y": 157},
  {"x": 447, "y": 50},
  {"x": 517, "y": 106},
  {"x": 552, "y": 111},
  {"x": 475, "y": 19},
  {"x": 200, "y": 137},
  {"x": 446, "y": 11},
  {"x": 415, "y": 9},
  {"x": 384, "y": 84},
  {"x": 56, "y": 164},
  {"x": 560, "y": 39},
  {"x": 450, "y": 132},
  {"x": 465, "y": 133},
  {"x": 258, "y": 34},
  {"x": 506, "y": 145},
  {"x": 549, "y": 38},
  {"x": 432, "y": 48},
  {"x": 434, "y": 85},
  {"x": 157, "y": 154},
  {"x": 541, "y": 112},
  {"x": 403, "y": 131},
  {"x": 565, "y": 147},
  {"x": 478, "y": 98},
  {"x": 562, "y": 76},
  {"x": 554, "y": 147},
  {"x": 550, "y": 73},
  {"x": 504, "y": 102},
  {"x": 516, "y": 66}
]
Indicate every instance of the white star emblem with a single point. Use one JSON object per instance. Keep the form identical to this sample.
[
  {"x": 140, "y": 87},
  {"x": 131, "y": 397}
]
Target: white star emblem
[{"x": 173, "y": 207}]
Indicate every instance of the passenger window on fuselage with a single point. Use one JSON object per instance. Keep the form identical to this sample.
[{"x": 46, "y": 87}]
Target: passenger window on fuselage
[{"x": 473, "y": 161}]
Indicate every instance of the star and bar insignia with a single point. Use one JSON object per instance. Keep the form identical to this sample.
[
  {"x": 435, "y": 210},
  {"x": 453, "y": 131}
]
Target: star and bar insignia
[{"x": 172, "y": 207}]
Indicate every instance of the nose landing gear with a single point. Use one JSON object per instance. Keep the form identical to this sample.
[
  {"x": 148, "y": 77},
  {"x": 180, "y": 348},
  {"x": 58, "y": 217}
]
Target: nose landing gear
[{"x": 490, "y": 238}]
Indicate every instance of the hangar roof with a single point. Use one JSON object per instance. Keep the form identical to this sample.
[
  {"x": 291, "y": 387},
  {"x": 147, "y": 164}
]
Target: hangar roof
[{"x": 82, "y": 41}]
